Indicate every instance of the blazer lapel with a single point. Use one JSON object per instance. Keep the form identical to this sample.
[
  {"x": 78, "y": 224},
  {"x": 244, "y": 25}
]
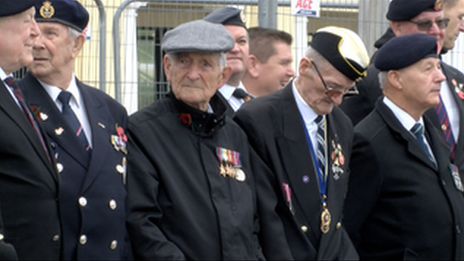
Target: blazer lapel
[
  {"x": 55, "y": 125},
  {"x": 413, "y": 146},
  {"x": 98, "y": 119},
  {"x": 12, "y": 109},
  {"x": 297, "y": 160}
]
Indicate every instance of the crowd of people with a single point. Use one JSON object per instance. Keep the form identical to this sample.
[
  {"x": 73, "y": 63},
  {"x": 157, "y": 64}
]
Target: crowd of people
[{"x": 351, "y": 157}]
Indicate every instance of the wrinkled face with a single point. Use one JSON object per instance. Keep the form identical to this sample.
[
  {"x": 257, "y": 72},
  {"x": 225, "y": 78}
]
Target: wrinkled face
[
  {"x": 237, "y": 57},
  {"x": 406, "y": 27},
  {"x": 421, "y": 83},
  {"x": 194, "y": 77},
  {"x": 311, "y": 86},
  {"x": 19, "y": 32},
  {"x": 456, "y": 24},
  {"x": 54, "y": 51},
  {"x": 277, "y": 71}
]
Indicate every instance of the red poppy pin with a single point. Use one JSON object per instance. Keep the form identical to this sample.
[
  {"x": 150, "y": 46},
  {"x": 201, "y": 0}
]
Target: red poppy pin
[
  {"x": 458, "y": 89},
  {"x": 186, "y": 118}
]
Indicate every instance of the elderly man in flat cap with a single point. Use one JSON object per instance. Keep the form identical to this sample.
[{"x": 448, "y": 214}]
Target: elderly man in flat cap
[
  {"x": 405, "y": 200},
  {"x": 305, "y": 139},
  {"x": 29, "y": 182},
  {"x": 86, "y": 127},
  {"x": 191, "y": 190},
  {"x": 233, "y": 91}
]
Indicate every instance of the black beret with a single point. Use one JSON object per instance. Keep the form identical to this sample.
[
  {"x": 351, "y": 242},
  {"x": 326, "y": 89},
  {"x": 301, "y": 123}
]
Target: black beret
[
  {"x": 402, "y": 51},
  {"x": 405, "y": 10},
  {"x": 198, "y": 36},
  {"x": 67, "y": 12},
  {"x": 11, "y": 7},
  {"x": 227, "y": 16},
  {"x": 342, "y": 48}
]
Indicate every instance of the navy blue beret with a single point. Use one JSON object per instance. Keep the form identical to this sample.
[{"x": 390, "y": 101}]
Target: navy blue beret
[
  {"x": 405, "y": 10},
  {"x": 12, "y": 7},
  {"x": 227, "y": 16},
  {"x": 198, "y": 36},
  {"x": 67, "y": 12},
  {"x": 402, "y": 51}
]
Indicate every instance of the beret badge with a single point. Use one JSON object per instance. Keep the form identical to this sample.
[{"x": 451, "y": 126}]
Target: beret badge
[
  {"x": 47, "y": 10},
  {"x": 243, "y": 18},
  {"x": 438, "y": 5}
]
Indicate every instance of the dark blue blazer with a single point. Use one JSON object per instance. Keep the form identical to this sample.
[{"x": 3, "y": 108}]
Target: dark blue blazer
[{"x": 93, "y": 192}]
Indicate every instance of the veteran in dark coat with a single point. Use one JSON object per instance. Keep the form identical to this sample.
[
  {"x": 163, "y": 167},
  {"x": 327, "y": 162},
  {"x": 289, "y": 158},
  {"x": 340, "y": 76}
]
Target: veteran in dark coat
[
  {"x": 405, "y": 197},
  {"x": 29, "y": 183},
  {"x": 191, "y": 192},
  {"x": 92, "y": 169},
  {"x": 305, "y": 140}
]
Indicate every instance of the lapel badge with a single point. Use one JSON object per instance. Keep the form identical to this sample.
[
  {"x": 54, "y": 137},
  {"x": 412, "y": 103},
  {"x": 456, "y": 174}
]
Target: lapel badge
[
  {"x": 121, "y": 169},
  {"x": 59, "y": 131},
  {"x": 458, "y": 89},
  {"x": 38, "y": 114},
  {"x": 229, "y": 164},
  {"x": 288, "y": 196},
  {"x": 119, "y": 141},
  {"x": 338, "y": 160},
  {"x": 101, "y": 125}
]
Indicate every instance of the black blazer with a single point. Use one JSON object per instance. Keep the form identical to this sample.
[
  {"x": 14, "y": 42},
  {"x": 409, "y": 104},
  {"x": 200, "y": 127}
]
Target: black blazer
[
  {"x": 29, "y": 186},
  {"x": 276, "y": 132},
  {"x": 99, "y": 178},
  {"x": 398, "y": 205}
]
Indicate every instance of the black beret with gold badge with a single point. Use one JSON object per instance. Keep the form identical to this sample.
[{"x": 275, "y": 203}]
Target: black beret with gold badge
[
  {"x": 67, "y": 12},
  {"x": 405, "y": 10}
]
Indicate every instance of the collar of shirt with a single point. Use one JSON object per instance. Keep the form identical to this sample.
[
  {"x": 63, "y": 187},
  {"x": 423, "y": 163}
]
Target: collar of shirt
[
  {"x": 227, "y": 91},
  {"x": 308, "y": 115},
  {"x": 403, "y": 117},
  {"x": 53, "y": 91}
]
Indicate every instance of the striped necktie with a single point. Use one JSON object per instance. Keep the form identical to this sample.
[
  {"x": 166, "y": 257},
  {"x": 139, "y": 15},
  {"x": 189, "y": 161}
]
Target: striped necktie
[
  {"x": 446, "y": 127},
  {"x": 320, "y": 137},
  {"x": 72, "y": 120}
]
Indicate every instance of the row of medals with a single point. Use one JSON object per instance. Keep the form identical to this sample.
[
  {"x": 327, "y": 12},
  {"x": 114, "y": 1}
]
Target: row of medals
[{"x": 227, "y": 169}]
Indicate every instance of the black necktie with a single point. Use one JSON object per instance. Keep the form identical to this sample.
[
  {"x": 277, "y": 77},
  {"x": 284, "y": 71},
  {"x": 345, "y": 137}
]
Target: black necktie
[
  {"x": 241, "y": 94},
  {"x": 26, "y": 110},
  {"x": 72, "y": 120}
]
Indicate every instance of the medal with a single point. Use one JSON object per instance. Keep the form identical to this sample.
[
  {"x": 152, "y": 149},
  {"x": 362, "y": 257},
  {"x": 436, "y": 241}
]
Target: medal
[
  {"x": 325, "y": 219},
  {"x": 240, "y": 174},
  {"x": 222, "y": 169}
]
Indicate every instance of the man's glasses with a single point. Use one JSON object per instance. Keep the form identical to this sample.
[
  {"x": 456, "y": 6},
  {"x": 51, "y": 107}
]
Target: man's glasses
[
  {"x": 333, "y": 91},
  {"x": 427, "y": 24}
]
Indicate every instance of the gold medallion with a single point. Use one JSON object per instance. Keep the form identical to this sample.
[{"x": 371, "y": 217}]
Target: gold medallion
[
  {"x": 325, "y": 220},
  {"x": 222, "y": 169},
  {"x": 47, "y": 10}
]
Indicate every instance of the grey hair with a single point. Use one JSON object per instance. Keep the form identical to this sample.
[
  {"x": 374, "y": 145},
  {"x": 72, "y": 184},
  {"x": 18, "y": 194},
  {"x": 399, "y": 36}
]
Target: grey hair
[
  {"x": 383, "y": 77},
  {"x": 73, "y": 33},
  {"x": 222, "y": 59},
  {"x": 317, "y": 57}
]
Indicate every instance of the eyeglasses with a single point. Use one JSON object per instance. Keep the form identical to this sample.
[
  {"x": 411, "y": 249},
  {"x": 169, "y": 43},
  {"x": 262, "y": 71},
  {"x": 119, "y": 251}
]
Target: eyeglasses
[
  {"x": 333, "y": 91},
  {"x": 427, "y": 24}
]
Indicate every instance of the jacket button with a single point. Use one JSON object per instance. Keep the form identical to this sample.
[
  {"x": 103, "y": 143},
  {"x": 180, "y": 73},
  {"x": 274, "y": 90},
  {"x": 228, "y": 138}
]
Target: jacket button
[
  {"x": 59, "y": 167},
  {"x": 83, "y": 239},
  {"x": 304, "y": 229},
  {"x": 82, "y": 201},
  {"x": 339, "y": 225},
  {"x": 56, "y": 238},
  {"x": 2, "y": 237},
  {"x": 113, "y": 244},
  {"x": 113, "y": 204}
]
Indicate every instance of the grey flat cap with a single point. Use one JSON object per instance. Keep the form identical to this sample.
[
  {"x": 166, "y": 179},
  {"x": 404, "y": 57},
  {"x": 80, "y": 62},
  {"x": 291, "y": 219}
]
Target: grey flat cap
[{"x": 198, "y": 36}]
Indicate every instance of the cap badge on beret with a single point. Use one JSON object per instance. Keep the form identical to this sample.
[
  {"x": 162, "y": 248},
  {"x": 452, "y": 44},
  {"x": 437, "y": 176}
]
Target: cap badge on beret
[
  {"x": 47, "y": 10},
  {"x": 438, "y": 5},
  {"x": 243, "y": 18}
]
